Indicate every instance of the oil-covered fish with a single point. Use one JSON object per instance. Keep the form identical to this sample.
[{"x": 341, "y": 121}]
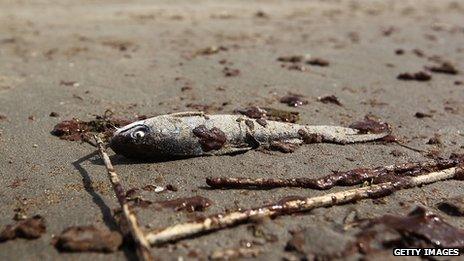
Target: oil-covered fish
[{"x": 190, "y": 134}]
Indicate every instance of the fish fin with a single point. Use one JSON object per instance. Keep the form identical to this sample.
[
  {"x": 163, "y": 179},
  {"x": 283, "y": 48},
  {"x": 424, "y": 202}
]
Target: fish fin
[{"x": 187, "y": 114}]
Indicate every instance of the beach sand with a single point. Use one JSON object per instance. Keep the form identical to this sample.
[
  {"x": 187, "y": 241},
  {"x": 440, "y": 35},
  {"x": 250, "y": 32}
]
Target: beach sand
[{"x": 81, "y": 58}]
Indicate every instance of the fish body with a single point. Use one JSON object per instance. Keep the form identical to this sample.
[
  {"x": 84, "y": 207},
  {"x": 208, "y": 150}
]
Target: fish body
[{"x": 190, "y": 134}]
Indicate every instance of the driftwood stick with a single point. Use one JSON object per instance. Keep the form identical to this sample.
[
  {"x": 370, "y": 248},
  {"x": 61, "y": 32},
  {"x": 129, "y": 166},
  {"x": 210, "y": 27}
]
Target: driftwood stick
[
  {"x": 224, "y": 220},
  {"x": 343, "y": 178},
  {"x": 143, "y": 252}
]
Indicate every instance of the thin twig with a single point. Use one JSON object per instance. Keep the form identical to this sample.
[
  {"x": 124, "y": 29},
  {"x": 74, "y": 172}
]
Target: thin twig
[
  {"x": 344, "y": 178},
  {"x": 140, "y": 241},
  {"x": 224, "y": 220}
]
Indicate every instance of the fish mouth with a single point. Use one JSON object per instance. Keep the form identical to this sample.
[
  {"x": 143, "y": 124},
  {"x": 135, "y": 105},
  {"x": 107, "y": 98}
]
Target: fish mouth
[{"x": 124, "y": 145}]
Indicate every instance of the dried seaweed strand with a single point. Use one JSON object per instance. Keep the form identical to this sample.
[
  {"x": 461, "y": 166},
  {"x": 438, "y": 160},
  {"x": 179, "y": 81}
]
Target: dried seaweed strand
[
  {"x": 143, "y": 252},
  {"x": 224, "y": 220},
  {"x": 345, "y": 178}
]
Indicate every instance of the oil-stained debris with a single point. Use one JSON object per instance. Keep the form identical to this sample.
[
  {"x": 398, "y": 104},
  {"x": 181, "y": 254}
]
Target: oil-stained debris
[
  {"x": 30, "y": 228},
  {"x": 291, "y": 59},
  {"x": 69, "y": 83},
  {"x": 318, "y": 62},
  {"x": 256, "y": 112},
  {"x": 190, "y": 204},
  {"x": 330, "y": 99},
  {"x": 211, "y": 50},
  {"x": 421, "y": 115},
  {"x": 397, "y": 174},
  {"x": 452, "y": 206},
  {"x": 78, "y": 130},
  {"x": 294, "y": 100},
  {"x": 230, "y": 72},
  {"x": 296, "y": 62},
  {"x": 54, "y": 114},
  {"x": 210, "y": 139},
  {"x": 121, "y": 45},
  {"x": 435, "y": 140},
  {"x": 418, "y": 76},
  {"x": 88, "y": 239},
  {"x": 420, "y": 228},
  {"x": 444, "y": 67},
  {"x": 371, "y": 124},
  {"x": 418, "y": 52},
  {"x": 261, "y": 14}
]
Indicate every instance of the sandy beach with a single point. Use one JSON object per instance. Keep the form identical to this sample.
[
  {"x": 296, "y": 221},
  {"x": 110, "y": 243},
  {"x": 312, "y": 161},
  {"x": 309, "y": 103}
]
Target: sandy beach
[{"x": 79, "y": 59}]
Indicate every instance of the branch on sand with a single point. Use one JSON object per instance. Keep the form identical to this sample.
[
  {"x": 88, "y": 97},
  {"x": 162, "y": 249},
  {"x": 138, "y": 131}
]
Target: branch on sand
[
  {"x": 343, "y": 178},
  {"x": 293, "y": 205},
  {"x": 142, "y": 245}
]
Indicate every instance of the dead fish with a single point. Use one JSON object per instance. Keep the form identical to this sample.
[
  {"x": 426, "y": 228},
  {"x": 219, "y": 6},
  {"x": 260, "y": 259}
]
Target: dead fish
[{"x": 190, "y": 134}]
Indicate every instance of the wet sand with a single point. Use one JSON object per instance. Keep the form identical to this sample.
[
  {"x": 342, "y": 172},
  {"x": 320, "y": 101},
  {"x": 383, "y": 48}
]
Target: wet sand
[{"x": 79, "y": 59}]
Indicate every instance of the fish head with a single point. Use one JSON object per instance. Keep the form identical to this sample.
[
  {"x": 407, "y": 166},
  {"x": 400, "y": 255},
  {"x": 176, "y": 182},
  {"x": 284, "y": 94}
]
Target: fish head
[{"x": 134, "y": 140}]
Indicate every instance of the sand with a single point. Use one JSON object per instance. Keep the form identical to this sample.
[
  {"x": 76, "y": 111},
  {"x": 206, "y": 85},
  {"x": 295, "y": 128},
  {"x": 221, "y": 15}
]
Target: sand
[{"x": 80, "y": 58}]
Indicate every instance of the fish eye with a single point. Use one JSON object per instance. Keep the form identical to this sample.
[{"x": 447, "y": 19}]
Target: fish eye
[{"x": 139, "y": 133}]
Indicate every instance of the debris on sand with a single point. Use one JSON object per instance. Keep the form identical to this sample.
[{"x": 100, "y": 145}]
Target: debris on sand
[
  {"x": 211, "y": 50},
  {"x": 318, "y": 62},
  {"x": 261, "y": 14},
  {"x": 256, "y": 112},
  {"x": 281, "y": 115},
  {"x": 30, "y": 228},
  {"x": 190, "y": 204},
  {"x": 291, "y": 59},
  {"x": 420, "y": 228},
  {"x": 129, "y": 224},
  {"x": 54, "y": 114},
  {"x": 371, "y": 124},
  {"x": 444, "y": 67},
  {"x": 69, "y": 83},
  {"x": 77, "y": 130},
  {"x": 88, "y": 239},
  {"x": 294, "y": 100},
  {"x": 421, "y": 115},
  {"x": 394, "y": 173},
  {"x": 330, "y": 99},
  {"x": 435, "y": 140},
  {"x": 453, "y": 206},
  {"x": 418, "y": 76},
  {"x": 121, "y": 45},
  {"x": 223, "y": 220},
  {"x": 297, "y": 60},
  {"x": 230, "y": 72}
]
